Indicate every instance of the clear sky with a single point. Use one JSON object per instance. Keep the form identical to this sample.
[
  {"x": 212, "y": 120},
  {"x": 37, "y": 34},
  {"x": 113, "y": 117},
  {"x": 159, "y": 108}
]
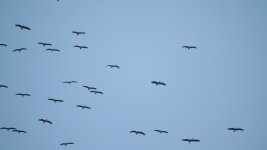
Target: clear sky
[{"x": 220, "y": 84}]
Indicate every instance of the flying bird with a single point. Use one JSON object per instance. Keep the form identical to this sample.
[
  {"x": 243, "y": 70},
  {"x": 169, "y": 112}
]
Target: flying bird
[
  {"x": 3, "y": 86},
  {"x": 45, "y": 121},
  {"x": 81, "y": 47},
  {"x": 19, "y": 131},
  {"x": 113, "y": 66},
  {"x": 1, "y": 44},
  {"x": 70, "y": 82},
  {"x": 53, "y": 50},
  {"x": 161, "y": 131},
  {"x": 137, "y": 132},
  {"x": 7, "y": 128},
  {"x": 83, "y": 106},
  {"x": 67, "y": 143},
  {"x": 90, "y": 88},
  {"x": 189, "y": 47},
  {"x": 236, "y": 129},
  {"x": 191, "y": 140},
  {"x": 97, "y": 92},
  {"x": 22, "y": 27},
  {"x": 45, "y": 44},
  {"x": 55, "y": 100},
  {"x": 78, "y": 33},
  {"x": 22, "y": 94},
  {"x": 158, "y": 83},
  {"x": 20, "y": 49}
]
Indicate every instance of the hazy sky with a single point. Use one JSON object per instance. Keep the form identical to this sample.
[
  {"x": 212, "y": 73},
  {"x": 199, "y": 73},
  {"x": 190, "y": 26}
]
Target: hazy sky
[{"x": 220, "y": 84}]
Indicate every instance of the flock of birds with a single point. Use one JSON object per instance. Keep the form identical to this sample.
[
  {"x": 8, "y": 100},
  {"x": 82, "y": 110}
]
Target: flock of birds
[{"x": 90, "y": 89}]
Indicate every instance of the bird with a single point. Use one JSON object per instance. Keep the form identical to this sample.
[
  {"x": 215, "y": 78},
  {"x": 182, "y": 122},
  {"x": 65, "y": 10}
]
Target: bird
[
  {"x": 45, "y": 44},
  {"x": 1, "y": 44},
  {"x": 22, "y": 27},
  {"x": 137, "y": 132},
  {"x": 70, "y": 82},
  {"x": 83, "y": 106},
  {"x": 53, "y": 50},
  {"x": 235, "y": 129},
  {"x": 22, "y": 94},
  {"x": 90, "y": 88},
  {"x": 67, "y": 143},
  {"x": 161, "y": 131},
  {"x": 81, "y": 47},
  {"x": 78, "y": 33},
  {"x": 19, "y": 49},
  {"x": 3, "y": 86},
  {"x": 113, "y": 66},
  {"x": 55, "y": 100},
  {"x": 45, "y": 121},
  {"x": 19, "y": 131},
  {"x": 158, "y": 83},
  {"x": 189, "y": 47},
  {"x": 7, "y": 128},
  {"x": 191, "y": 140},
  {"x": 97, "y": 92}
]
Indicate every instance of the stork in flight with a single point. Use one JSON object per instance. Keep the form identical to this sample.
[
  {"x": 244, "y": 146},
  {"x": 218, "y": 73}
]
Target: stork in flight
[
  {"x": 96, "y": 92},
  {"x": 191, "y": 140},
  {"x": 158, "y": 83},
  {"x": 78, "y": 33},
  {"x": 1, "y": 44},
  {"x": 7, "y": 128},
  {"x": 235, "y": 129},
  {"x": 90, "y": 88},
  {"x": 83, "y": 106},
  {"x": 45, "y": 44},
  {"x": 137, "y": 132},
  {"x": 53, "y": 50},
  {"x": 189, "y": 47},
  {"x": 19, "y": 131},
  {"x": 20, "y": 49},
  {"x": 55, "y": 100},
  {"x": 67, "y": 143},
  {"x": 113, "y": 66},
  {"x": 161, "y": 131},
  {"x": 45, "y": 121},
  {"x": 81, "y": 47},
  {"x": 3, "y": 86},
  {"x": 22, "y": 27},
  {"x": 69, "y": 82},
  {"x": 22, "y": 94}
]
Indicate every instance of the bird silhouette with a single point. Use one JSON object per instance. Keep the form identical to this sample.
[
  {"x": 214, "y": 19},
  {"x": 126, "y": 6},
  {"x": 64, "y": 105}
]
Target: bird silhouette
[
  {"x": 81, "y": 47},
  {"x": 83, "y": 106},
  {"x": 78, "y": 33},
  {"x": 1, "y": 44},
  {"x": 20, "y": 49},
  {"x": 191, "y": 140},
  {"x": 22, "y": 27},
  {"x": 113, "y": 66},
  {"x": 97, "y": 92},
  {"x": 22, "y": 94},
  {"x": 158, "y": 83},
  {"x": 137, "y": 132},
  {"x": 90, "y": 88},
  {"x": 161, "y": 131},
  {"x": 19, "y": 131},
  {"x": 7, "y": 128},
  {"x": 3, "y": 86},
  {"x": 236, "y": 129},
  {"x": 55, "y": 100},
  {"x": 67, "y": 143},
  {"x": 45, "y": 44},
  {"x": 53, "y": 50},
  {"x": 189, "y": 47},
  {"x": 69, "y": 82},
  {"x": 45, "y": 121}
]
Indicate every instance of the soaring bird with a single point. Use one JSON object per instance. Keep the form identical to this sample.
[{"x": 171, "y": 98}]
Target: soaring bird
[
  {"x": 70, "y": 82},
  {"x": 97, "y": 92},
  {"x": 191, "y": 140},
  {"x": 189, "y": 47},
  {"x": 45, "y": 121},
  {"x": 83, "y": 106},
  {"x": 53, "y": 50},
  {"x": 236, "y": 129},
  {"x": 67, "y": 143},
  {"x": 20, "y": 49},
  {"x": 55, "y": 100},
  {"x": 137, "y": 132},
  {"x": 78, "y": 33},
  {"x": 7, "y": 128},
  {"x": 90, "y": 88},
  {"x": 45, "y": 44},
  {"x": 161, "y": 131},
  {"x": 22, "y": 27},
  {"x": 113, "y": 66},
  {"x": 1, "y": 44},
  {"x": 81, "y": 47},
  {"x": 22, "y": 94},
  {"x": 19, "y": 131},
  {"x": 3, "y": 86},
  {"x": 158, "y": 83}
]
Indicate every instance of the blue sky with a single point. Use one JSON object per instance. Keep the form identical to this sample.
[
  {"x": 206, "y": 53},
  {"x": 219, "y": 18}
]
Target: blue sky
[{"x": 220, "y": 84}]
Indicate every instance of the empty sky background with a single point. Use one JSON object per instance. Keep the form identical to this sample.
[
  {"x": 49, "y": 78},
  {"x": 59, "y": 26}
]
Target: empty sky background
[{"x": 220, "y": 84}]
